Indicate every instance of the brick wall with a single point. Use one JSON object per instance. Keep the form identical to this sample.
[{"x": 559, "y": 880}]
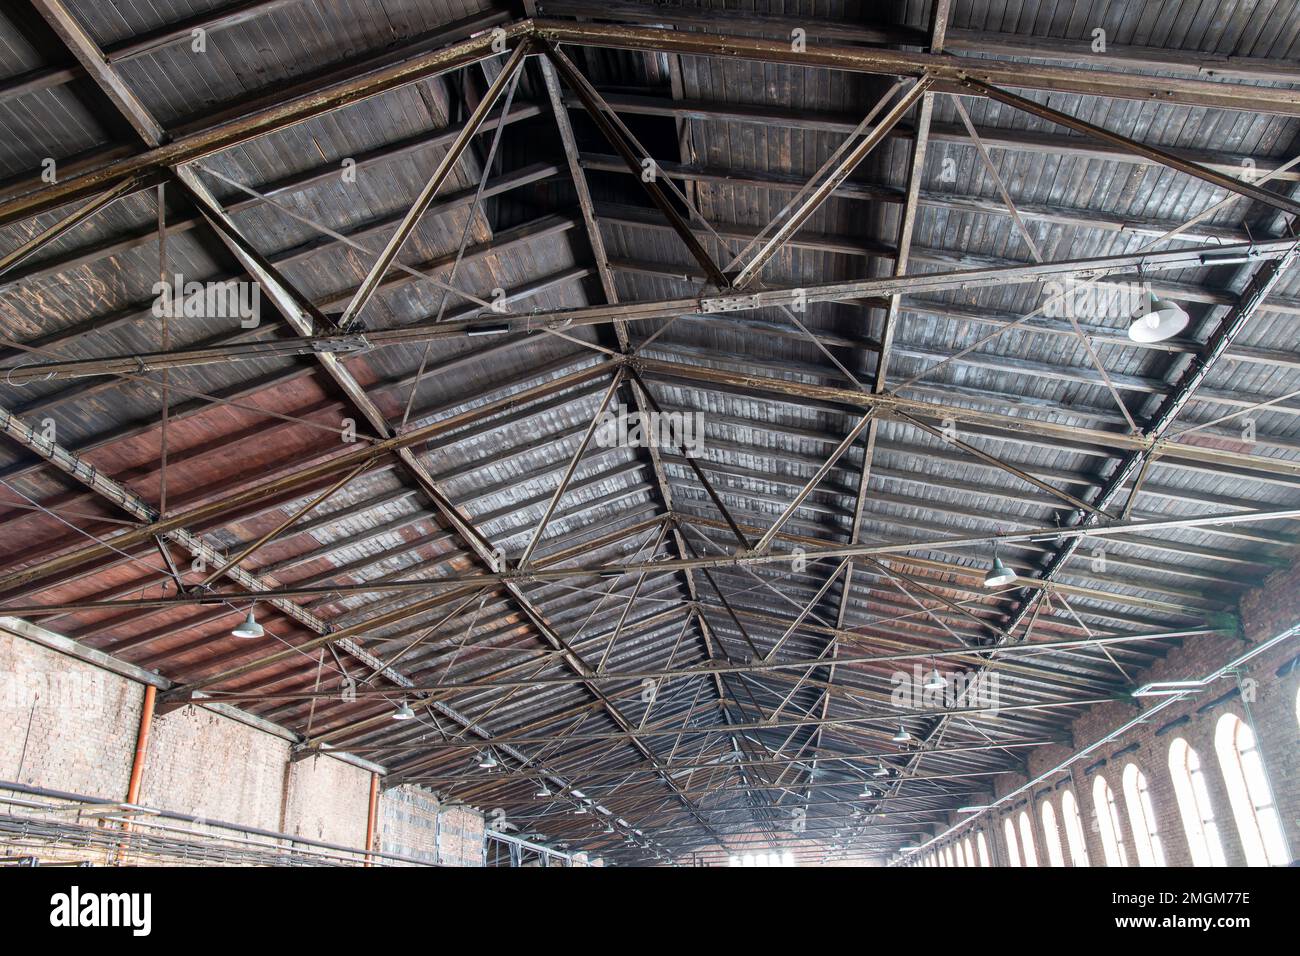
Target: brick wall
[
  {"x": 461, "y": 837},
  {"x": 1269, "y": 610},
  {"x": 328, "y": 800},
  {"x": 408, "y": 823},
  {"x": 209, "y": 765},
  {"x": 413, "y": 823},
  {"x": 71, "y": 726},
  {"x": 68, "y": 725}
]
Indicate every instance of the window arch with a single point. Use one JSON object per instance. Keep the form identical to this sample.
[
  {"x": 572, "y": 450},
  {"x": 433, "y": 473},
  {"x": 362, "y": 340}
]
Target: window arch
[
  {"x": 1103, "y": 801},
  {"x": 1249, "y": 794},
  {"x": 967, "y": 852},
  {"x": 1074, "y": 829},
  {"x": 1052, "y": 835},
  {"x": 1194, "y": 805},
  {"x": 1029, "y": 856},
  {"x": 1142, "y": 818},
  {"x": 983, "y": 847},
  {"x": 945, "y": 856},
  {"x": 1009, "y": 834}
]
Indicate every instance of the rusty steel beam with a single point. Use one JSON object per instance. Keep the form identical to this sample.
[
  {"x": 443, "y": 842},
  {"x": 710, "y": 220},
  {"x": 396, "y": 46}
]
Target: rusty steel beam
[
  {"x": 706, "y": 305},
  {"x": 445, "y": 167},
  {"x": 1161, "y": 156},
  {"x": 948, "y": 71},
  {"x": 1257, "y": 290},
  {"x": 819, "y": 550},
  {"x": 143, "y": 168}
]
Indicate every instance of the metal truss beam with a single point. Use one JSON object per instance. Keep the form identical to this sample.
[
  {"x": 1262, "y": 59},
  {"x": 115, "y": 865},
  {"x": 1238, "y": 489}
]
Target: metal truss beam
[{"x": 948, "y": 71}]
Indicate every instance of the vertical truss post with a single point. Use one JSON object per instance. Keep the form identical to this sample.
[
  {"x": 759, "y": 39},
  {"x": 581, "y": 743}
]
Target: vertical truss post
[
  {"x": 595, "y": 106},
  {"x": 800, "y": 215},
  {"x": 440, "y": 175},
  {"x": 845, "y": 444}
]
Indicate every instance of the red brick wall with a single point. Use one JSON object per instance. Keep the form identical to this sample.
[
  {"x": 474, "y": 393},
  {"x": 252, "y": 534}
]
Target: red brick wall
[
  {"x": 71, "y": 726},
  {"x": 1269, "y": 610}
]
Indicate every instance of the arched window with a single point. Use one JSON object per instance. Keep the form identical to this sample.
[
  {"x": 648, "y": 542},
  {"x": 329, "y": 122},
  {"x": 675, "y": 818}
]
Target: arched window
[
  {"x": 946, "y": 856},
  {"x": 1194, "y": 805},
  {"x": 1142, "y": 818},
  {"x": 1103, "y": 802},
  {"x": 1052, "y": 836},
  {"x": 1074, "y": 830},
  {"x": 1009, "y": 834},
  {"x": 967, "y": 852},
  {"x": 1028, "y": 854},
  {"x": 1248, "y": 792},
  {"x": 982, "y": 845}
]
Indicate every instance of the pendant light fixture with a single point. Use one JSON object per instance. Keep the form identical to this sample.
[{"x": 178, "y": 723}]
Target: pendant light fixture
[
  {"x": 998, "y": 575},
  {"x": 403, "y": 711},
  {"x": 488, "y": 761},
  {"x": 248, "y": 628},
  {"x": 901, "y": 736},
  {"x": 935, "y": 681},
  {"x": 1160, "y": 319}
]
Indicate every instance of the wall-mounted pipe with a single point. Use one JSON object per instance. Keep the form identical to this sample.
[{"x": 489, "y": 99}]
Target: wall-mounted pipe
[
  {"x": 371, "y": 814},
  {"x": 137, "y": 762},
  {"x": 141, "y": 743}
]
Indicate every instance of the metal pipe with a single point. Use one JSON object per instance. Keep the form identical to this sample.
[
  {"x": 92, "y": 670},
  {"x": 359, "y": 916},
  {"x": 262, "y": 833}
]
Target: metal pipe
[
  {"x": 141, "y": 743},
  {"x": 47, "y": 793},
  {"x": 370, "y": 816},
  {"x": 137, "y": 762}
]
